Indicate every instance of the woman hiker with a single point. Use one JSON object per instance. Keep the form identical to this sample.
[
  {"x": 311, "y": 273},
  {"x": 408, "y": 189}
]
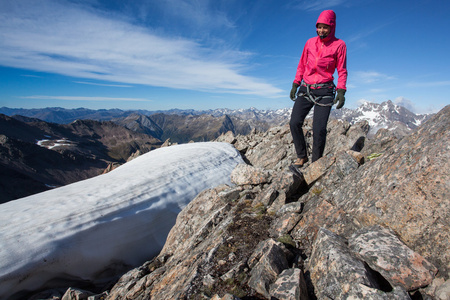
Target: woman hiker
[{"x": 321, "y": 56}]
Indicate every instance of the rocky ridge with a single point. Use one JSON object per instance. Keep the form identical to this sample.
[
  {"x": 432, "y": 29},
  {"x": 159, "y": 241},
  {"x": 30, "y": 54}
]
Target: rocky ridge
[{"x": 355, "y": 226}]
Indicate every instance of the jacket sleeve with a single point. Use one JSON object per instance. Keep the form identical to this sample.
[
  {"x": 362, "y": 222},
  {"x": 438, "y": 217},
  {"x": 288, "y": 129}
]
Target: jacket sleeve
[
  {"x": 341, "y": 67},
  {"x": 301, "y": 65}
]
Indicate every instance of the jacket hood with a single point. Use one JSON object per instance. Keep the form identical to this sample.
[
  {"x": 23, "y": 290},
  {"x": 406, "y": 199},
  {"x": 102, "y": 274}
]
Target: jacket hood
[{"x": 328, "y": 17}]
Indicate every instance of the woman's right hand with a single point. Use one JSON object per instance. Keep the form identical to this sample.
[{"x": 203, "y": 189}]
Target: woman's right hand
[{"x": 294, "y": 90}]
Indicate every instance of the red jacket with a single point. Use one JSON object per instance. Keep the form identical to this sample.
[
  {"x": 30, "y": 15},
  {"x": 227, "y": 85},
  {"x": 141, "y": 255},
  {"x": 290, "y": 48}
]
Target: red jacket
[{"x": 321, "y": 57}]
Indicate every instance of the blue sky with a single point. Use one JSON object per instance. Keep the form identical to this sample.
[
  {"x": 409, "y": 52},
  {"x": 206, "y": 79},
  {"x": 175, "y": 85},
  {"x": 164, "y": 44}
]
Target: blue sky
[{"x": 207, "y": 54}]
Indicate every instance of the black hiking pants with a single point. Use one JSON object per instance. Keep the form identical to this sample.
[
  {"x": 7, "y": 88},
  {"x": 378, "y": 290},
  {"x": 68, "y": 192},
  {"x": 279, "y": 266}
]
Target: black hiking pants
[{"x": 301, "y": 108}]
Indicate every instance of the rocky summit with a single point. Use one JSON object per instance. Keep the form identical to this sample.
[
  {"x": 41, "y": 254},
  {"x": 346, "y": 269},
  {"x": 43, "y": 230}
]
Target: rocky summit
[{"x": 369, "y": 220}]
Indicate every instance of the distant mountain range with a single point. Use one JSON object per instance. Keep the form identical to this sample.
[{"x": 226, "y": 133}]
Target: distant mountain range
[
  {"x": 64, "y": 116},
  {"x": 184, "y": 125}
]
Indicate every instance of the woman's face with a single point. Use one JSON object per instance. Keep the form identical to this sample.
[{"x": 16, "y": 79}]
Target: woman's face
[{"x": 323, "y": 29}]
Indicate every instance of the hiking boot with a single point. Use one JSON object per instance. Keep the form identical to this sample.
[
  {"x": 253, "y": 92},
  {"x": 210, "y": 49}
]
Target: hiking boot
[{"x": 301, "y": 161}]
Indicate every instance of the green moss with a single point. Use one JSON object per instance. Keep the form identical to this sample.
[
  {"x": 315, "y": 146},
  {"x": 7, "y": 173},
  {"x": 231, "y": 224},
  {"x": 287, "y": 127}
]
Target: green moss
[
  {"x": 374, "y": 155},
  {"x": 317, "y": 190},
  {"x": 234, "y": 286},
  {"x": 286, "y": 239},
  {"x": 259, "y": 209}
]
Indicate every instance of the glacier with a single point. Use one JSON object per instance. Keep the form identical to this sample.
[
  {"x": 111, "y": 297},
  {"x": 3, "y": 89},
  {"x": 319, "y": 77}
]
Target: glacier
[{"x": 92, "y": 229}]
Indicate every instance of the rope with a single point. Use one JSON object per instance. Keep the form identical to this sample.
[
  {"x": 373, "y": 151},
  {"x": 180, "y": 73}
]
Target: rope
[{"x": 316, "y": 99}]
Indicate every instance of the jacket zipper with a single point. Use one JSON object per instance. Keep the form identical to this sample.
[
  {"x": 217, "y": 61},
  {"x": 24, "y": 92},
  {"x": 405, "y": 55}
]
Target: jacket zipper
[{"x": 317, "y": 60}]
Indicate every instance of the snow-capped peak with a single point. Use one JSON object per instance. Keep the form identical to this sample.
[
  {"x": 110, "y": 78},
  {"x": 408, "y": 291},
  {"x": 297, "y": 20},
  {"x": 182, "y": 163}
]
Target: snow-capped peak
[{"x": 385, "y": 115}]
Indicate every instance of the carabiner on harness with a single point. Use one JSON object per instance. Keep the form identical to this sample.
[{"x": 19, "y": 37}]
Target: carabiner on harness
[{"x": 315, "y": 99}]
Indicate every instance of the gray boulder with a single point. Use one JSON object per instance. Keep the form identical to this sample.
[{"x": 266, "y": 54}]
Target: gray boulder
[
  {"x": 290, "y": 285},
  {"x": 385, "y": 253}
]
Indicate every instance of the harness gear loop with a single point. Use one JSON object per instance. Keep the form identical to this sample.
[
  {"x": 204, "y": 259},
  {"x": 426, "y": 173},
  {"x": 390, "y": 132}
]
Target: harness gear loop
[{"x": 315, "y": 99}]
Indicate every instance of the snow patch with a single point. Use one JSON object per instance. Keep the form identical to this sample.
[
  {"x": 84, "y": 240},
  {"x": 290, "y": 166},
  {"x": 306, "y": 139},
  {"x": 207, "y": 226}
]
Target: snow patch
[
  {"x": 119, "y": 219},
  {"x": 42, "y": 142},
  {"x": 50, "y": 144}
]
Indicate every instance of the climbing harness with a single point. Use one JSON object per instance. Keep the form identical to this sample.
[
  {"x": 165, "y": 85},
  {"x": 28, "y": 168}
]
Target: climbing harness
[{"x": 315, "y": 99}]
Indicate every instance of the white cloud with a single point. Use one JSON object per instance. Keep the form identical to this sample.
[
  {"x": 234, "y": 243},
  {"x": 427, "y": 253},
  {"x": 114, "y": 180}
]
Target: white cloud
[
  {"x": 421, "y": 108},
  {"x": 362, "y": 101},
  {"x": 195, "y": 13},
  {"x": 371, "y": 76},
  {"x": 57, "y": 37},
  {"x": 367, "y": 31},
  {"x": 377, "y": 91},
  {"x": 78, "y": 98},
  {"x": 429, "y": 83},
  {"x": 102, "y": 84},
  {"x": 317, "y": 4},
  {"x": 406, "y": 103}
]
